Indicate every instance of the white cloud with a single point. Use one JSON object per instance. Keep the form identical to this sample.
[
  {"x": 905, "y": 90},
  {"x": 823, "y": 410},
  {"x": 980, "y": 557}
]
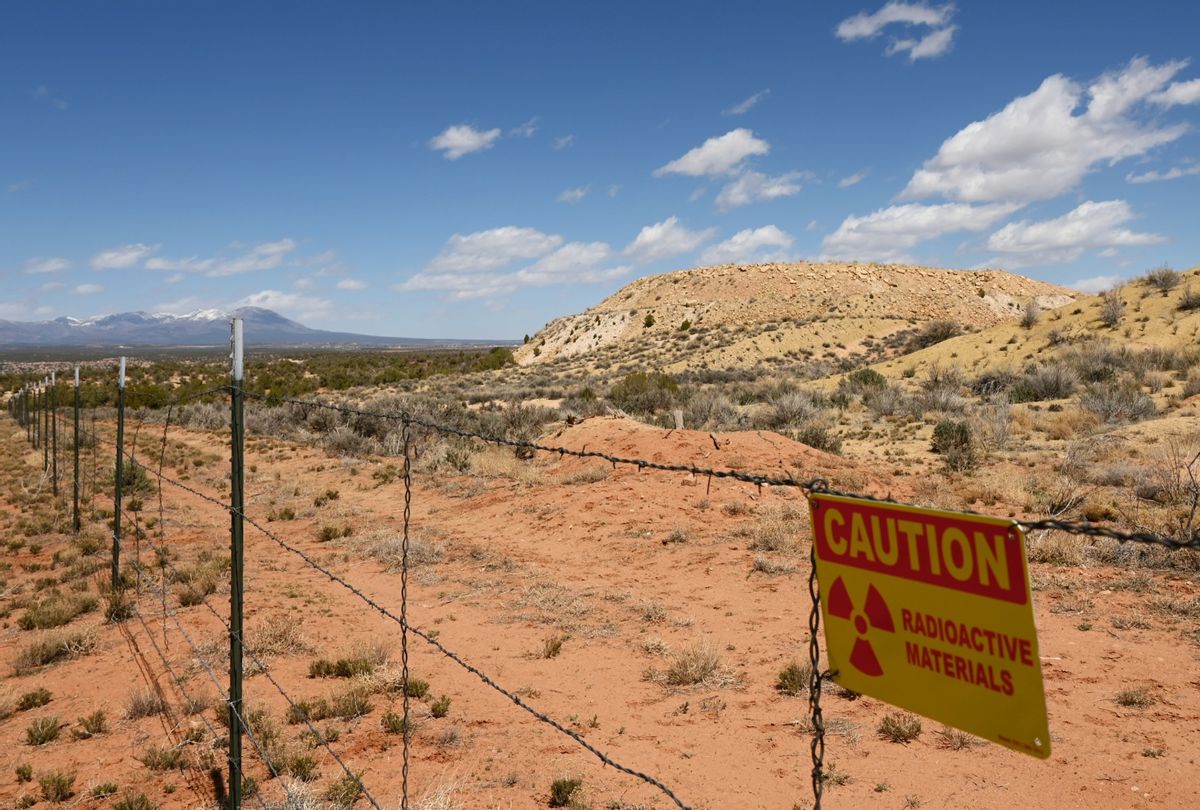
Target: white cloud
[
  {"x": 752, "y": 186},
  {"x": 491, "y": 249},
  {"x": 263, "y": 256},
  {"x": 18, "y": 185},
  {"x": 1174, "y": 173},
  {"x": 193, "y": 264},
  {"x": 51, "y": 286},
  {"x": 526, "y": 130},
  {"x": 852, "y": 180},
  {"x": 922, "y": 15},
  {"x": 765, "y": 244},
  {"x": 119, "y": 258},
  {"x": 613, "y": 189},
  {"x": 88, "y": 289},
  {"x": 564, "y": 141},
  {"x": 1037, "y": 147},
  {"x": 45, "y": 264},
  {"x": 744, "y": 106},
  {"x": 718, "y": 155},
  {"x": 1095, "y": 284},
  {"x": 351, "y": 284},
  {"x": 462, "y": 139},
  {"x": 293, "y": 305},
  {"x": 811, "y": 226},
  {"x": 573, "y": 195},
  {"x": 174, "y": 278},
  {"x": 931, "y": 45},
  {"x": 666, "y": 238},
  {"x": 557, "y": 263},
  {"x": 1065, "y": 238},
  {"x": 889, "y": 233},
  {"x": 1178, "y": 93}
]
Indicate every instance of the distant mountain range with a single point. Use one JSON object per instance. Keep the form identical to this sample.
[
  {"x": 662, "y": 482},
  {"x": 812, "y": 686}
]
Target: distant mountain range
[{"x": 208, "y": 327}]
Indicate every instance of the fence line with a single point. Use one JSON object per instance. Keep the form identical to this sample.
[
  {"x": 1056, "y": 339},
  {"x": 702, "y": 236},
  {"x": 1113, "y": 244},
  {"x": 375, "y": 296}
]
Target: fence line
[{"x": 39, "y": 414}]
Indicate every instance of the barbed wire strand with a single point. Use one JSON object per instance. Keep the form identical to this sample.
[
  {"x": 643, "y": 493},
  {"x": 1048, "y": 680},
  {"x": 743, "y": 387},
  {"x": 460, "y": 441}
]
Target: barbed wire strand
[
  {"x": 482, "y": 676},
  {"x": 816, "y": 484}
]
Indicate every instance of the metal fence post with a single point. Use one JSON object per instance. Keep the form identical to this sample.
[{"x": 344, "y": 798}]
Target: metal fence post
[
  {"x": 37, "y": 418},
  {"x": 45, "y": 425},
  {"x": 120, "y": 470},
  {"x": 237, "y": 404},
  {"x": 75, "y": 522},
  {"x": 54, "y": 432}
]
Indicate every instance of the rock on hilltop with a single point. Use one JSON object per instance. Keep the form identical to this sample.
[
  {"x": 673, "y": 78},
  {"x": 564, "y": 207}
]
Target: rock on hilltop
[{"x": 736, "y": 315}]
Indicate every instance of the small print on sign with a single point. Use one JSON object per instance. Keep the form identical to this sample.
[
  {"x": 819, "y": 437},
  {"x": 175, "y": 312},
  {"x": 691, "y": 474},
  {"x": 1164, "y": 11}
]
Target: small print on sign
[{"x": 932, "y": 612}]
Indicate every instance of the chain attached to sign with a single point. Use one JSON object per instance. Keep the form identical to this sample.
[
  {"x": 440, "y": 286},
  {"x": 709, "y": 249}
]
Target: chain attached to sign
[{"x": 932, "y": 611}]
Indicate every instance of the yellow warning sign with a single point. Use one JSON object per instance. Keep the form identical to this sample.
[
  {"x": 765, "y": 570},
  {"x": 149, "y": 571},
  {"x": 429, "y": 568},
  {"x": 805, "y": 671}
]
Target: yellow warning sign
[{"x": 931, "y": 611}]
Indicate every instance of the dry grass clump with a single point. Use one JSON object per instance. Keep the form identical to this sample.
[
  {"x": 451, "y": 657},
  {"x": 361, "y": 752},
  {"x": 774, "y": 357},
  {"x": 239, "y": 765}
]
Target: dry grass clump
[
  {"x": 1134, "y": 699},
  {"x": 775, "y": 530},
  {"x": 364, "y": 659},
  {"x": 900, "y": 727},
  {"x": 57, "y": 786},
  {"x": 56, "y": 609},
  {"x": 794, "y": 679},
  {"x": 699, "y": 663},
  {"x": 388, "y": 548},
  {"x": 144, "y": 703},
  {"x": 42, "y": 730},
  {"x": 956, "y": 740},
  {"x": 53, "y": 646},
  {"x": 588, "y": 474},
  {"x": 277, "y": 635}
]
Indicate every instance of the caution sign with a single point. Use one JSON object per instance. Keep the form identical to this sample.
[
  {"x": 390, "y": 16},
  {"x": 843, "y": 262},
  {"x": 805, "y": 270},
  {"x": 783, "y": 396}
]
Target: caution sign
[{"x": 931, "y": 611}]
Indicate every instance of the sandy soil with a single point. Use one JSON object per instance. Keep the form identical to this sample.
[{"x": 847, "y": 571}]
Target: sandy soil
[{"x": 629, "y": 566}]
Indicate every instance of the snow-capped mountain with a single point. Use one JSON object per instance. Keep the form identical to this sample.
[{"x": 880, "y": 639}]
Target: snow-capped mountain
[{"x": 206, "y": 327}]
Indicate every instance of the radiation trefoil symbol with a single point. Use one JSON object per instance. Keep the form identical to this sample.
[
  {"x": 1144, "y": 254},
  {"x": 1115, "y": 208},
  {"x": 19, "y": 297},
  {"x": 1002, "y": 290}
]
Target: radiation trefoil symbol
[{"x": 874, "y": 615}]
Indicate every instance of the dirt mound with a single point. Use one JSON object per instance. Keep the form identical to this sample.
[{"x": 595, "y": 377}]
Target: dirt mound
[{"x": 736, "y": 315}]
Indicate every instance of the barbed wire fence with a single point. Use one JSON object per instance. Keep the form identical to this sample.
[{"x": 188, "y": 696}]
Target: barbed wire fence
[{"x": 36, "y": 408}]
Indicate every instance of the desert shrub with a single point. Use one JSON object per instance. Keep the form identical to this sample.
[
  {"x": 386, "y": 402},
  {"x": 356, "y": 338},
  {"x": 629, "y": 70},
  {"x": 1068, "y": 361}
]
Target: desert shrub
[
  {"x": 1189, "y": 300},
  {"x": 343, "y": 441},
  {"x": 134, "y": 801},
  {"x": 709, "y": 409},
  {"x": 1191, "y": 386},
  {"x": 344, "y": 792},
  {"x": 352, "y": 702},
  {"x": 584, "y": 403},
  {"x": 51, "y": 647},
  {"x": 793, "y": 409},
  {"x": 643, "y": 393},
  {"x": 95, "y": 723},
  {"x": 32, "y": 700},
  {"x": 860, "y": 383},
  {"x": 394, "y": 723},
  {"x": 900, "y": 727},
  {"x": 57, "y": 786},
  {"x": 991, "y": 383},
  {"x": 794, "y": 679},
  {"x": 118, "y": 607},
  {"x": 819, "y": 437},
  {"x": 440, "y": 707},
  {"x": 162, "y": 759},
  {"x": 1112, "y": 308},
  {"x": 144, "y": 703},
  {"x": 1030, "y": 315},
  {"x": 887, "y": 401},
  {"x": 1042, "y": 382},
  {"x": 648, "y": 321},
  {"x": 562, "y": 791},
  {"x": 933, "y": 333},
  {"x": 953, "y": 440},
  {"x": 696, "y": 663},
  {"x": 1117, "y": 402},
  {"x": 1162, "y": 278},
  {"x": 55, "y": 610},
  {"x": 42, "y": 730},
  {"x": 24, "y": 773}
]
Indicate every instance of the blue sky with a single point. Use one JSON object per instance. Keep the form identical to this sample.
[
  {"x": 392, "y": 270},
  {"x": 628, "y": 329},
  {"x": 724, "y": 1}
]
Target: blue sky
[{"x": 476, "y": 169}]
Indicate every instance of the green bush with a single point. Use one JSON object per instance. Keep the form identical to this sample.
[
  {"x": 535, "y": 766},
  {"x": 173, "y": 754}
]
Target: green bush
[
  {"x": 642, "y": 393},
  {"x": 953, "y": 440},
  {"x": 648, "y": 322},
  {"x": 933, "y": 333},
  {"x": 562, "y": 790}
]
